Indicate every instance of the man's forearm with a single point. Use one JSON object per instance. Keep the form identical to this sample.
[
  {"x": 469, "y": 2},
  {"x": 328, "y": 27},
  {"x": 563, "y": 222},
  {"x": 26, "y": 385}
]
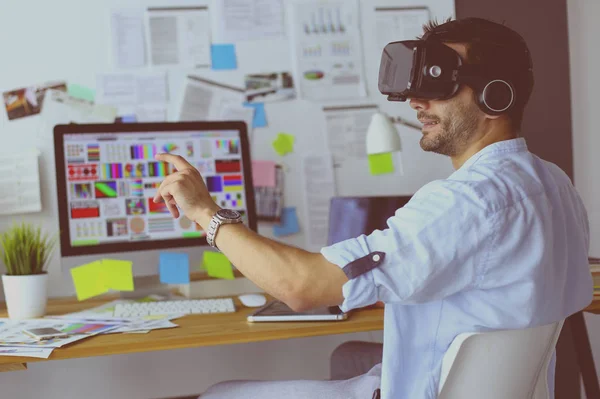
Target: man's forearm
[{"x": 301, "y": 279}]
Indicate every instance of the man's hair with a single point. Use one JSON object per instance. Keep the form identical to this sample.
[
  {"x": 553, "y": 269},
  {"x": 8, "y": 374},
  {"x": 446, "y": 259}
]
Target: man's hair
[{"x": 501, "y": 51}]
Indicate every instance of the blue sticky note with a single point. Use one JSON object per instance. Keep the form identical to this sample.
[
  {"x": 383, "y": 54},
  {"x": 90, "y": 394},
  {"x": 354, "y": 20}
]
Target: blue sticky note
[
  {"x": 289, "y": 223},
  {"x": 174, "y": 268},
  {"x": 223, "y": 56},
  {"x": 128, "y": 119},
  {"x": 260, "y": 117}
]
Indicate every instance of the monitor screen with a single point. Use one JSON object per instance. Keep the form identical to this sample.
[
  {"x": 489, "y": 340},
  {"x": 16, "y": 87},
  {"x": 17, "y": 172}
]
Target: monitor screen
[
  {"x": 350, "y": 217},
  {"x": 107, "y": 177}
]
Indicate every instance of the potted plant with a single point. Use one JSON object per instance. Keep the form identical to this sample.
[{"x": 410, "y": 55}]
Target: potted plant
[{"x": 26, "y": 252}]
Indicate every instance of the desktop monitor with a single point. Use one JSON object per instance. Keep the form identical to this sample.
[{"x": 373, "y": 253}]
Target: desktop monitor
[
  {"x": 349, "y": 217},
  {"x": 107, "y": 177}
]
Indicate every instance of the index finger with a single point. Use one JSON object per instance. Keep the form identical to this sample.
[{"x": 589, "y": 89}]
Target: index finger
[{"x": 179, "y": 162}]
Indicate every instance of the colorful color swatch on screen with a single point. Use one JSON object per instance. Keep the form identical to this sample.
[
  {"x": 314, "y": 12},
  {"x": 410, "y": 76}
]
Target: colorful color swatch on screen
[
  {"x": 112, "y": 171},
  {"x": 169, "y": 147},
  {"x": 232, "y": 182},
  {"x": 214, "y": 184},
  {"x": 157, "y": 207},
  {"x": 228, "y": 165},
  {"x": 105, "y": 189},
  {"x": 143, "y": 151},
  {"x": 93, "y": 152},
  {"x": 158, "y": 169}
]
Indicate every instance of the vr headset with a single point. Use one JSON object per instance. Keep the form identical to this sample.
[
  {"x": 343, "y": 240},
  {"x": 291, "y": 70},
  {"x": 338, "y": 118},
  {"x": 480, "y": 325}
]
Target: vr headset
[{"x": 428, "y": 69}]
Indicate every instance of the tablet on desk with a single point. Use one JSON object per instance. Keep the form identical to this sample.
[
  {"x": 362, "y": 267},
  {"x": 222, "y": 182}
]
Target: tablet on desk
[{"x": 279, "y": 311}]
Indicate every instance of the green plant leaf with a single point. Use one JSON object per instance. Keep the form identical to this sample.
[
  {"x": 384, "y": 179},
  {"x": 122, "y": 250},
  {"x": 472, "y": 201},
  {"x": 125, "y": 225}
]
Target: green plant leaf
[{"x": 26, "y": 249}]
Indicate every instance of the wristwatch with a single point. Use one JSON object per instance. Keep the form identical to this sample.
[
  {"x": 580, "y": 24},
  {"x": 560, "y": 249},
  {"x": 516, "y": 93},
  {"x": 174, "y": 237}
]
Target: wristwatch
[{"x": 223, "y": 216}]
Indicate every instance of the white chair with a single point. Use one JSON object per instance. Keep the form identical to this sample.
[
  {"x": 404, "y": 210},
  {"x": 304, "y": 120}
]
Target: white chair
[{"x": 500, "y": 364}]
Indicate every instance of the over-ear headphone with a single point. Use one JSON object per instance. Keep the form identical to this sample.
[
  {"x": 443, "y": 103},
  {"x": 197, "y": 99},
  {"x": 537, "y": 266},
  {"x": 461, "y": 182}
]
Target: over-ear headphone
[{"x": 496, "y": 96}]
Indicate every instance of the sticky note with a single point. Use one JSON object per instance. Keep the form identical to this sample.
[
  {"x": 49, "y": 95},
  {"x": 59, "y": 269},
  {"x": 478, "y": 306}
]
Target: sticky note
[
  {"x": 118, "y": 274},
  {"x": 128, "y": 118},
  {"x": 380, "y": 164},
  {"x": 260, "y": 117},
  {"x": 217, "y": 265},
  {"x": 288, "y": 224},
  {"x": 174, "y": 268},
  {"x": 223, "y": 56},
  {"x": 263, "y": 173},
  {"x": 89, "y": 280},
  {"x": 81, "y": 92},
  {"x": 284, "y": 143}
]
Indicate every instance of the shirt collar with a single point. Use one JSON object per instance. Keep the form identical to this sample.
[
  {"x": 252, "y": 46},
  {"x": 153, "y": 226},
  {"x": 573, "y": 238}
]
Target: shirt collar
[{"x": 505, "y": 146}]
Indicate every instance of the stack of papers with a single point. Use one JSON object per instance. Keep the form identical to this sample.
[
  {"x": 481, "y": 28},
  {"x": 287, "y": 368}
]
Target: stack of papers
[
  {"x": 14, "y": 342},
  {"x": 79, "y": 325}
]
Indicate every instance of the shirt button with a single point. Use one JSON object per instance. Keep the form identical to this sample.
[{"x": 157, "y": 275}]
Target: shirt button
[{"x": 376, "y": 258}]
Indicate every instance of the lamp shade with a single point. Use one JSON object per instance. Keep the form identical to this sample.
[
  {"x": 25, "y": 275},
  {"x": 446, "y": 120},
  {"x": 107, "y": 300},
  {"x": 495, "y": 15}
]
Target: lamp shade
[{"x": 382, "y": 135}]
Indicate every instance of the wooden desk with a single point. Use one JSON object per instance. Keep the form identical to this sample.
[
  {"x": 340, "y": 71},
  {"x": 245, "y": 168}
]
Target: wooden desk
[{"x": 193, "y": 331}]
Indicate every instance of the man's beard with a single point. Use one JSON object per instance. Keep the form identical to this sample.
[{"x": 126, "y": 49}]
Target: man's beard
[{"x": 456, "y": 130}]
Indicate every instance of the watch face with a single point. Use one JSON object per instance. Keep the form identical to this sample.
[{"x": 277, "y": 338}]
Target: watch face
[{"x": 229, "y": 214}]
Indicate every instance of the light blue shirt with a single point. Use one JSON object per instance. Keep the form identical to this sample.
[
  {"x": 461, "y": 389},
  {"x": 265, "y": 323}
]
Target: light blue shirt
[{"x": 500, "y": 244}]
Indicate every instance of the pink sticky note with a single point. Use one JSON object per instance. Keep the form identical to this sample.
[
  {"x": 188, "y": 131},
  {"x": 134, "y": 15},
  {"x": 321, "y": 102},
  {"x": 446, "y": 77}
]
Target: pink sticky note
[{"x": 263, "y": 173}]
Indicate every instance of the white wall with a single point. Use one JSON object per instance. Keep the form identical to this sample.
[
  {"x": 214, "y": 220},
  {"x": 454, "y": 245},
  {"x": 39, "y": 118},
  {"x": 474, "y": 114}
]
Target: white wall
[
  {"x": 70, "y": 39},
  {"x": 585, "y": 85}
]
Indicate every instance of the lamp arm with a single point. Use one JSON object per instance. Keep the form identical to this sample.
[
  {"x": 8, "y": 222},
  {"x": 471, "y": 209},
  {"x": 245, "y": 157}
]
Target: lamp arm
[{"x": 405, "y": 123}]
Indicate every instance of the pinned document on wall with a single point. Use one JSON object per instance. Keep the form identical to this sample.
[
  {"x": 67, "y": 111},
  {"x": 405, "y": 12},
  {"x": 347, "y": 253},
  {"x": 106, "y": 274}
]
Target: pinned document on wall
[
  {"x": 217, "y": 265},
  {"x": 62, "y": 108},
  {"x": 20, "y": 182},
  {"x": 327, "y": 49},
  {"x": 143, "y": 94},
  {"x": 205, "y": 99},
  {"x": 234, "y": 111},
  {"x": 319, "y": 188},
  {"x": 248, "y": 19},
  {"x": 347, "y": 131},
  {"x": 127, "y": 28},
  {"x": 178, "y": 36},
  {"x": 269, "y": 87},
  {"x": 28, "y": 101},
  {"x": 399, "y": 23},
  {"x": 174, "y": 268}
]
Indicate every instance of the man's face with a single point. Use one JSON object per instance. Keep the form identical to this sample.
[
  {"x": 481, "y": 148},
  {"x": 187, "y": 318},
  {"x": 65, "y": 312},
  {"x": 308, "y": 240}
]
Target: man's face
[{"x": 449, "y": 125}]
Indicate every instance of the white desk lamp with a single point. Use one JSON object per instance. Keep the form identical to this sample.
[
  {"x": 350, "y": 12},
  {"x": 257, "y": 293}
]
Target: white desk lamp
[{"x": 382, "y": 135}]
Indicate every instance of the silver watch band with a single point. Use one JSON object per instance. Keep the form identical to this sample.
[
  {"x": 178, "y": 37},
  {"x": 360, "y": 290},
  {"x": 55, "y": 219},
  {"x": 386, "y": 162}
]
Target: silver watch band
[{"x": 213, "y": 228}]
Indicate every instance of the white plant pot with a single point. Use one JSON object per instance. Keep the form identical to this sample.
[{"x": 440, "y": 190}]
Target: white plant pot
[{"x": 26, "y": 296}]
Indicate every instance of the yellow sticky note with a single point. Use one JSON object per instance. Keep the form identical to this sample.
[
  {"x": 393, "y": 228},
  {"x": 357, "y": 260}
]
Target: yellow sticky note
[
  {"x": 118, "y": 274},
  {"x": 89, "y": 280},
  {"x": 284, "y": 143},
  {"x": 217, "y": 265},
  {"x": 380, "y": 164}
]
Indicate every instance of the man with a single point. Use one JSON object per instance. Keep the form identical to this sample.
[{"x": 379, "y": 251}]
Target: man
[{"x": 500, "y": 244}]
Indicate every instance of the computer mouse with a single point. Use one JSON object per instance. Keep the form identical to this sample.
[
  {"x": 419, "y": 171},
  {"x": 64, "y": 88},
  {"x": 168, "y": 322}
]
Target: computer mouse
[{"x": 252, "y": 300}]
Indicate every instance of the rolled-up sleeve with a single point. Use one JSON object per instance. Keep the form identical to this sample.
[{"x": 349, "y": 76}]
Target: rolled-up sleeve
[{"x": 436, "y": 245}]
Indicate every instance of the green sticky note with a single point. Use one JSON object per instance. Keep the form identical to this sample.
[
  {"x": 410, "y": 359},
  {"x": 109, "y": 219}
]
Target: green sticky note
[
  {"x": 118, "y": 274},
  {"x": 380, "y": 164},
  {"x": 81, "y": 92},
  {"x": 89, "y": 280},
  {"x": 284, "y": 143},
  {"x": 217, "y": 265}
]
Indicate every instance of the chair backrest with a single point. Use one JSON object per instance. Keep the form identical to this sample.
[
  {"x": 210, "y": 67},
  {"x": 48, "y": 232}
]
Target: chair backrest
[{"x": 499, "y": 364}]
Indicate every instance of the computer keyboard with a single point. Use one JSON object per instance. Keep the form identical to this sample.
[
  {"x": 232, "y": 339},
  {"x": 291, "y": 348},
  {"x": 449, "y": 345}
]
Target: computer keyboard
[{"x": 186, "y": 306}]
